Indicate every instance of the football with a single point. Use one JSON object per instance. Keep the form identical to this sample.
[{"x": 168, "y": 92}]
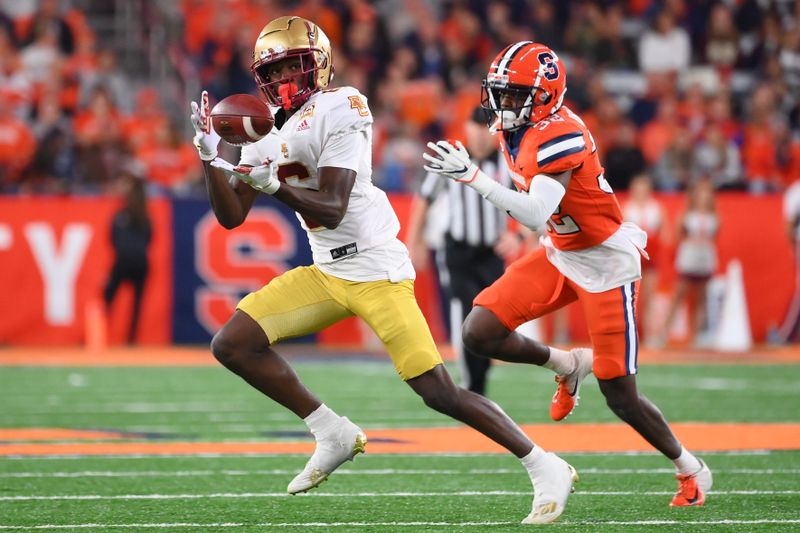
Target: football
[{"x": 241, "y": 119}]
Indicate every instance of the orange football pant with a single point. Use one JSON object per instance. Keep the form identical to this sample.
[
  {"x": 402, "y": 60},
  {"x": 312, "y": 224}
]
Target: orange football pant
[{"x": 532, "y": 287}]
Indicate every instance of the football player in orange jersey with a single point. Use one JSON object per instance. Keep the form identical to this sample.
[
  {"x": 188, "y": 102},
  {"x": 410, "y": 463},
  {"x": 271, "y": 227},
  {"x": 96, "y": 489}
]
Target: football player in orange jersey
[{"x": 589, "y": 254}]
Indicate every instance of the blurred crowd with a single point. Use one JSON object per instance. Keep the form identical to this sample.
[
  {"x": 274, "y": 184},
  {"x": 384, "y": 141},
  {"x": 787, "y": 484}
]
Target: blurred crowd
[{"x": 683, "y": 90}]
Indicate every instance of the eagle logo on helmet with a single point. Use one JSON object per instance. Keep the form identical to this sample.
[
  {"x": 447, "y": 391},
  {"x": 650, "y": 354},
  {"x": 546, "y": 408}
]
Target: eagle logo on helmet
[
  {"x": 273, "y": 53},
  {"x": 292, "y": 37},
  {"x": 525, "y": 84}
]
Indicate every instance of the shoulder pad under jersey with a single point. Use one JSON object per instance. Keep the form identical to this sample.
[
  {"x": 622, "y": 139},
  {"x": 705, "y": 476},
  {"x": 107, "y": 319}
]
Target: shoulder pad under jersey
[
  {"x": 562, "y": 144},
  {"x": 342, "y": 110}
]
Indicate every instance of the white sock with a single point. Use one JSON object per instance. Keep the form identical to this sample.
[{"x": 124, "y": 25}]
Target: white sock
[
  {"x": 560, "y": 362},
  {"x": 533, "y": 459},
  {"x": 321, "y": 420},
  {"x": 686, "y": 463}
]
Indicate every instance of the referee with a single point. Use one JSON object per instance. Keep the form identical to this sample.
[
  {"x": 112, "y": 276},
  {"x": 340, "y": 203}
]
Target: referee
[{"x": 476, "y": 240}]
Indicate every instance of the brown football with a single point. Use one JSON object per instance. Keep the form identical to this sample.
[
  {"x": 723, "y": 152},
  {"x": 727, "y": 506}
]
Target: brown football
[{"x": 241, "y": 119}]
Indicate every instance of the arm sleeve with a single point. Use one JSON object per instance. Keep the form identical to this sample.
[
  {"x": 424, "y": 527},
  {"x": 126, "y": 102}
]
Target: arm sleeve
[{"x": 531, "y": 209}]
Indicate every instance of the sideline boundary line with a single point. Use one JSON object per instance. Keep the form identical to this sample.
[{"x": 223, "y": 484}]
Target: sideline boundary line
[
  {"x": 378, "y": 472},
  {"x": 401, "y": 494},
  {"x": 562, "y": 438},
  {"x": 218, "y": 525},
  {"x": 159, "y": 356}
]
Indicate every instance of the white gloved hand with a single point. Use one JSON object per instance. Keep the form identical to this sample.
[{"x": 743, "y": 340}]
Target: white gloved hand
[
  {"x": 262, "y": 178},
  {"x": 205, "y": 139},
  {"x": 450, "y": 161}
]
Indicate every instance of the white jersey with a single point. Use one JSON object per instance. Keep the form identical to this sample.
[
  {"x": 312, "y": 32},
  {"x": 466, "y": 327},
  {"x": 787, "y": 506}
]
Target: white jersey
[
  {"x": 648, "y": 216},
  {"x": 334, "y": 129},
  {"x": 697, "y": 253}
]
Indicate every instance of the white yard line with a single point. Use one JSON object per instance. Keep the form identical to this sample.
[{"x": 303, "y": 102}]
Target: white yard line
[
  {"x": 245, "y": 495},
  {"x": 219, "y": 525},
  {"x": 376, "y": 472}
]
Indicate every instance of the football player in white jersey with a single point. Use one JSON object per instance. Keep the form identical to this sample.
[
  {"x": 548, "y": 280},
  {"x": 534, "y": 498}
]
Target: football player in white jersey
[{"x": 317, "y": 160}]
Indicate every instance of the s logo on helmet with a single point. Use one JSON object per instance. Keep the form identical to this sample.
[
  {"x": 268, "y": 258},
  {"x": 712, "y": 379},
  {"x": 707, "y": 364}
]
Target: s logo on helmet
[
  {"x": 531, "y": 70},
  {"x": 550, "y": 69}
]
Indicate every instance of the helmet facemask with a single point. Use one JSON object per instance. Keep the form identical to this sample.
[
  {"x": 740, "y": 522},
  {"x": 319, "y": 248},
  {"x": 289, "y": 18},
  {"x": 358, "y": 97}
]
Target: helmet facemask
[
  {"x": 494, "y": 89},
  {"x": 289, "y": 92}
]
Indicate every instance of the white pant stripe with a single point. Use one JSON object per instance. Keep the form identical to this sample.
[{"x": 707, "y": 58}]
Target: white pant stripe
[{"x": 630, "y": 320}]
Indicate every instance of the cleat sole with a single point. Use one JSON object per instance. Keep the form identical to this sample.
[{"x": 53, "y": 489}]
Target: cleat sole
[{"x": 315, "y": 485}]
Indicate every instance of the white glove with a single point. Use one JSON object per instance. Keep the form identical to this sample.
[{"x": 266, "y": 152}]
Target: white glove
[
  {"x": 531, "y": 209},
  {"x": 450, "y": 161},
  {"x": 205, "y": 139},
  {"x": 262, "y": 178}
]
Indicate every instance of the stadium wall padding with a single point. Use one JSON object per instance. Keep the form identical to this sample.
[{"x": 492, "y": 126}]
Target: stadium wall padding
[
  {"x": 214, "y": 267},
  {"x": 55, "y": 255}
]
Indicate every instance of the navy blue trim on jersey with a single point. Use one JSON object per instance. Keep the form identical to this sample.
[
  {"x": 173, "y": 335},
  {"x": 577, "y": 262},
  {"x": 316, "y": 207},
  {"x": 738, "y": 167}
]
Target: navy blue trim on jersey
[
  {"x": 560, "y": 138},
  {"x": 565, "y": 153},
  {"x": 562, "y": 153},
  {"x": 514, "y": 140}
]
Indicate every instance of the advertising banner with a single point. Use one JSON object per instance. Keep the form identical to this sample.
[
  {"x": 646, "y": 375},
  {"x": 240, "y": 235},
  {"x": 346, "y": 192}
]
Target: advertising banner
[
  {"x": 215, "y": 267},
  {"x": 55, "y": 258}
]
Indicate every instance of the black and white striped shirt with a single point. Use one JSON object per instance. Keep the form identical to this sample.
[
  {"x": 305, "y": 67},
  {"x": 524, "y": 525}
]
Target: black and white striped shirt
[{"x": 472, "y": 219}]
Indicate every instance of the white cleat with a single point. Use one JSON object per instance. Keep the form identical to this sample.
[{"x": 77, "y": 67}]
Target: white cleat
[
  {"x": 552, "y": 485},
  {"x": 569, "y": 385},
  {"x": 339, "y": 445}
]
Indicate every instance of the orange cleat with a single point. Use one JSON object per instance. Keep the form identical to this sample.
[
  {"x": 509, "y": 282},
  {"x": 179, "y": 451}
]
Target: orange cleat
[
  {"x": 692, "y": 488},
  {"x": 688, "y": 492},
  {"x": 566, "y": 397}
]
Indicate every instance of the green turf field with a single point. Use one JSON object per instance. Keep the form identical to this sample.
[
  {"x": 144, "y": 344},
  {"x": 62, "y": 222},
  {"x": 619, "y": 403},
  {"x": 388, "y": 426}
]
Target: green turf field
[{"x": 754, "y": 491}]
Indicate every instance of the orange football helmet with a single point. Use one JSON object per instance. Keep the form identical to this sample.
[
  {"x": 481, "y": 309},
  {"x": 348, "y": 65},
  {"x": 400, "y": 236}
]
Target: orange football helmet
[
  {"x": 534, "y": 78},
  {"x": 292, "y": 37}
]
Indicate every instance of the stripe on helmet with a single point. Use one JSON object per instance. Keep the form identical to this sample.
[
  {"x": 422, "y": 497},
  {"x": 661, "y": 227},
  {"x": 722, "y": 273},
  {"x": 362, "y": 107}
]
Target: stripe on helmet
[
  {"x": 509, "y": 55},
  {"x": 493, "y": 66}
]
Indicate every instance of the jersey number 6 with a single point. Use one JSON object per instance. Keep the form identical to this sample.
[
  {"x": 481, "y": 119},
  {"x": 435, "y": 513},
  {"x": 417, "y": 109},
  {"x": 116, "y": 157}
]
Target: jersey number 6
[{"x": 297, "y": 171}]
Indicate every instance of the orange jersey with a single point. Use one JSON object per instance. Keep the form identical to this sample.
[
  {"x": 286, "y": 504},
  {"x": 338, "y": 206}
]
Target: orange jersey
[{"x": 589, "y": 212}]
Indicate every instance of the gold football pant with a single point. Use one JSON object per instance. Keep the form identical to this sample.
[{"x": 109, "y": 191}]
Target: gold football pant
[{"x": 305, "y": 300}]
